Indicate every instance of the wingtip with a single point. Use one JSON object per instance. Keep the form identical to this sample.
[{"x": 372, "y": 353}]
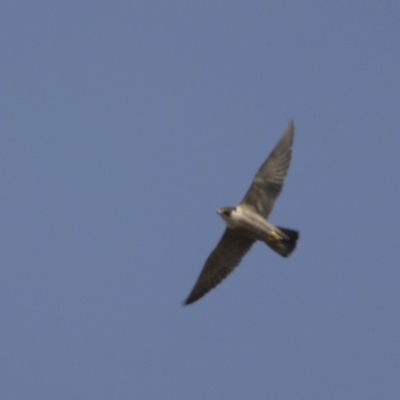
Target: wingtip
[{"x": 190, "y": 300}]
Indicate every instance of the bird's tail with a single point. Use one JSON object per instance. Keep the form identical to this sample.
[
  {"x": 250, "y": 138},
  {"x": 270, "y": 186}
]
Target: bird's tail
[{"x": 283, "y": 241}]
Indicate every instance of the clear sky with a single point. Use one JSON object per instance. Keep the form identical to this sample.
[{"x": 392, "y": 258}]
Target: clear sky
[{"x": 125, "y": 125}]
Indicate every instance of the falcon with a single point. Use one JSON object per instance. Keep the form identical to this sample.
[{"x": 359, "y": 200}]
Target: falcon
[{"x": 247, "y": 222}]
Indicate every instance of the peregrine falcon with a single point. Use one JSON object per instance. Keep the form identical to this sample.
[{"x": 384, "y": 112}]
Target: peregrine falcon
[{"x": 247, "y": 223}]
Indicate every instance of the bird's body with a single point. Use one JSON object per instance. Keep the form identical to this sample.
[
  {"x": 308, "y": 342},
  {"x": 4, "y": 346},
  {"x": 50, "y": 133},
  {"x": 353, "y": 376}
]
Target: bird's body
[{"x": 247, "y": 223}]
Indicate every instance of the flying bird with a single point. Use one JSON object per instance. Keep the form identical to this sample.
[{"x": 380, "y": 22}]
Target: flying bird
[{"x": 247, "y": 222}]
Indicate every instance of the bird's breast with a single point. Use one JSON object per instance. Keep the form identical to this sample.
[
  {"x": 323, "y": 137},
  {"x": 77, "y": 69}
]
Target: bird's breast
[{"x": 248, "y": 220}]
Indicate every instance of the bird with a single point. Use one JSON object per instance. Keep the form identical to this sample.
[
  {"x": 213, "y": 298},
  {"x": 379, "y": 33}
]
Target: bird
[{"x": 247, "y": 222}]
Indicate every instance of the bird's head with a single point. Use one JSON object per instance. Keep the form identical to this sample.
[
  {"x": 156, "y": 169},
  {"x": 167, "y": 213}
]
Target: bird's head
[{"x": 226, "y": 211}]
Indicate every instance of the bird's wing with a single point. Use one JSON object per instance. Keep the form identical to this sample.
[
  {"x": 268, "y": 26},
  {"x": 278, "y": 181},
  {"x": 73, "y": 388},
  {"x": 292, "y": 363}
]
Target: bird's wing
[
  {"x": 220, "y": 263},
  {"x": 268, "y": 182}
]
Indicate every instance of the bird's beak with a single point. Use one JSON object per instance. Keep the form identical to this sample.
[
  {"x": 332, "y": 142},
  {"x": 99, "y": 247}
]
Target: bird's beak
[{"x": 219, "y": 211}]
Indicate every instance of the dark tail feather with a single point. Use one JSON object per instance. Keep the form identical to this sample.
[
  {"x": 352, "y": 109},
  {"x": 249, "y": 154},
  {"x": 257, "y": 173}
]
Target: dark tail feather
[{"x": 286, "y": 244}]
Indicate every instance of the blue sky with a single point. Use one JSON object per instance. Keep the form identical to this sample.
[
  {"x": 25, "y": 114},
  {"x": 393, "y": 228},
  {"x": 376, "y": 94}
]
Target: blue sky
[{"x": 125, "y": 126}]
